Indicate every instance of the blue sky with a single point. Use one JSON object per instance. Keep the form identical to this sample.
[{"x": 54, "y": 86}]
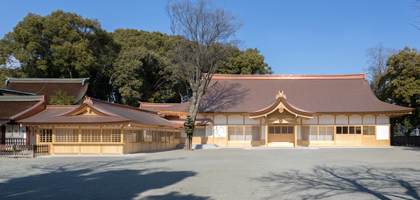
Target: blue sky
[{"x": 296, "y": 37}]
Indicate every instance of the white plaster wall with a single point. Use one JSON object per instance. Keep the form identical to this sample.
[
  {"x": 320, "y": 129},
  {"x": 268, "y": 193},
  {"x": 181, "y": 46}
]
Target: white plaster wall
[
  {"x": 236, "y": 119},
  {"x": 298, "y": 131},
  {"x": 382, "y": 119},
  {"x": 263, "y": 132},
  {"x": 341, "y": 119},
  {"x": 314, "y": 120},
  {"x": 251, "y": 121},
  {"x": 200, "y": 117},
  {"x": 209, "y": 131},
  {"x": 220, "y": 131},
  {"x": 326, "y": 119},
  {"x": 219, "y": 119},
  {"x": 382, "y": 132},
  {"x": 355, "y": 119},
  {"x": 183, "y": 117},
  {"x": 368, "y": 119}
]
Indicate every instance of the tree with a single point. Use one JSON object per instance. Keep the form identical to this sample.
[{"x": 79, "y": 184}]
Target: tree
[
  {"x": 205, "y": 33},
  {"x": 61, "y": 98},
  {"x": 142, "y": 72},
  {"x": 245, "y": 62},
  {"x": 62, "y": 45},
  {"x": 401, "y": 85},
  {"x": 377, "y": 60}
]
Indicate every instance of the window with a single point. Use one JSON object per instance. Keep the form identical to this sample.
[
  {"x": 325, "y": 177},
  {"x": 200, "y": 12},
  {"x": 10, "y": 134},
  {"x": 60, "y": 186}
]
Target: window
[
  {"x": 138, "y": 135},
  {"x": 45, "y": 135},
  {"x": 318, "y": 133},
  {"x": 66, "y": 135},
  {"x": 91, "y": 135},
  {"x": 199, "y": 132},
  {"x": 245, "y": 133},
  {"x": 116, "y": 135},
  {"x": 149, "y": 136},
  {"x": 342, "y": 130},
  {"x": 358, "y": 130},
  {"x": 368, "y": 130}
]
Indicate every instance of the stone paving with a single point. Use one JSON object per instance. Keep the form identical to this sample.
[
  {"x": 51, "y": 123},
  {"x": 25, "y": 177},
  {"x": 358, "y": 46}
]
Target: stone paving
[{"x": 224, "y": 173}]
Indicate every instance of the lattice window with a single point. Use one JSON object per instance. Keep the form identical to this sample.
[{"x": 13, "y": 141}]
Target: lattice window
[
  {"x": 128, "y": 136},
  {"x": 96, "y": 135},
  {"x": 106, "y": 135},
  {"x": 368, "y": 130},
  {"x": 66, "y": 135},
  {"x": 248, "y": 133},
  {"x": 313, "y": 136},
  {"x": 116, "y": 135},
  {"x": 149, "y": 136},
  {"x": 199, "y": 132},
  {"x": 139, "y": 135},
  {"x": 45, "y": 135}
]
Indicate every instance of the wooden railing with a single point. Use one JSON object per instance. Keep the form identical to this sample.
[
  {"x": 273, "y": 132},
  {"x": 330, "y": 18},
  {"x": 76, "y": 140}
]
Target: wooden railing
[
  {"x": 23, "y": 151},
  {"x": 15, "y": 141}
]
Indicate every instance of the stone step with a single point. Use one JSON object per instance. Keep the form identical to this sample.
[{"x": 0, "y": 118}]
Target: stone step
[
  {"x": 198, "y": 146},
  {"x": 280, "y": 144}
]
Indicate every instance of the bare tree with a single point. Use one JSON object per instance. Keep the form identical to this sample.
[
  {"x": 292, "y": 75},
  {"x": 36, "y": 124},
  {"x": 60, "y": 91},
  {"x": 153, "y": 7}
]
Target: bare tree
[
  {"x": 205, "y": 32},
  {"x": 377, "y": 59}
]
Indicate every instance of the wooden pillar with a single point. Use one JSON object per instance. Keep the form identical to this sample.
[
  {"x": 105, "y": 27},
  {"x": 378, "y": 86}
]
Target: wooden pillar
[
  {"x": 295, "y": 144},
  {"x": 80, "y": 139},
  {"x": 227, "y": 130},
  {"x": 266, "y": 132},
  {"x": 28, "y": 136},
  {"x": 53, "y": 139},
  {"x": 3, "y": 134},
  {"x": 260, "y": 130}
]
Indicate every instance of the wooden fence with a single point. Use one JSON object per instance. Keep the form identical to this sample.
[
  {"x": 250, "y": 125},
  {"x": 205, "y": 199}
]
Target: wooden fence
[
  {"x": 23, "y": 151},
  {"x": 403, "y": 140},
  {"x": 15, "y": 141}
]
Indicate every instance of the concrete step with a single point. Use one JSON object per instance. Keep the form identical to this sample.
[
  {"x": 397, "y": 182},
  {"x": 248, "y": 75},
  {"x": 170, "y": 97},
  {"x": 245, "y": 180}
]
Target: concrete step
[
  {"x": 280, "y": 144},
  {"x": 198, "y": 146}
]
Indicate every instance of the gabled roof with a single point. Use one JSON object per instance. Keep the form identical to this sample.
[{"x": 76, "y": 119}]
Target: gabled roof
[
  {"x": 77, "y": 87},
  {"x": 94, "y": 111},
  {"x": 348, "y": 93},
  {"x": 4, "y": 92},
  {"x": 14, "y": 105},
  {"x": 154, "y": 106}
]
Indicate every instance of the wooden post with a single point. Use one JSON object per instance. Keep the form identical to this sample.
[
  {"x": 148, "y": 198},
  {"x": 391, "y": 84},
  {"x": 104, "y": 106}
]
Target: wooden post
[
  {"x": 27, "y": 136},
  {"x": 53, "y": 139},
  {"x": 80, "y": 139},
  {"x": 227, "y": 130},
  {"x": 295, "y": 144},
  {"x": 266, "y": 132},
  {"x": 3, "y": 134}
]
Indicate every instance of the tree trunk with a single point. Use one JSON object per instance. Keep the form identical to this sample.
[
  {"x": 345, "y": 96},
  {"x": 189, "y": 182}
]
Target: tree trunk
[{"x": 188, "y": 143}]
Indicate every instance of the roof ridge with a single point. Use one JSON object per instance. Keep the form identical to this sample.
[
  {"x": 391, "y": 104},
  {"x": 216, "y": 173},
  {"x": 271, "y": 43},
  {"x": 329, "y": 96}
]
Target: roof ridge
[
  {"x": 17, "y": 91},
  {"x": 47, "y": 80},
  {"x": 93, "y": 100},
  {"x": 291, "y": 76}
]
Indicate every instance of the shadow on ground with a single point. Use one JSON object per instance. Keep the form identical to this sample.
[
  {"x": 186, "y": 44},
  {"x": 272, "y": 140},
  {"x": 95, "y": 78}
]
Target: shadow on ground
[
  {"x": 102, "y": 180},
  {"x": 331, "y": 182}
]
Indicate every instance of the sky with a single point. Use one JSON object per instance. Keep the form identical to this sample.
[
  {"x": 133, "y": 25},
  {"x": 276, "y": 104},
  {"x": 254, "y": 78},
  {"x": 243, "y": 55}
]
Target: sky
[{"x": 295, "y": 36}]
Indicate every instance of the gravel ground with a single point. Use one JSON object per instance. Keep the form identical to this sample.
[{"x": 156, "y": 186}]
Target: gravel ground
[{"x": 226, "y": 173}]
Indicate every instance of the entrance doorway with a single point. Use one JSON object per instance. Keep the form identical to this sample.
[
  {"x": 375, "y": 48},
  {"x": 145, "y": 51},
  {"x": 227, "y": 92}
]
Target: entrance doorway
[
  {"x": 199, "y": 135},
  {"x": 281, "y": 133}
]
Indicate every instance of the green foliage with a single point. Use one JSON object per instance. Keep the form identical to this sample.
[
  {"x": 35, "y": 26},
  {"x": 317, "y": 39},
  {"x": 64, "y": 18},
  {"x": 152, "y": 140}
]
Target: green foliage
[
  {"x": 189, "y": 125},
  {"x": 401, "y": 84},
  {"x": 61, "y": 98},
  {"x": 142, "y": 67},
  {"x": 62, "y": 45},
  {"x": 245, "y": 62}
]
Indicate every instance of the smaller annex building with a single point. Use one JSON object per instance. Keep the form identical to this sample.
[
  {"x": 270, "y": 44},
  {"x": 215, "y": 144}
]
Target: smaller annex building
[
  {"x": 99, "y": 127},
  {"x": 289, "y": 110}
]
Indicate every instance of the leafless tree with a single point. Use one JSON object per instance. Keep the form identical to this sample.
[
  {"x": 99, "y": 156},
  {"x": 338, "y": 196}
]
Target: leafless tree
[
  {"x": 206, "y": 32},
  {"x": 377, "y": 59}
]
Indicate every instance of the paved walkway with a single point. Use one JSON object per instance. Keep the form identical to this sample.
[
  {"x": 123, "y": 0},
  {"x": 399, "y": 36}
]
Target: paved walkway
[{"x": 225, "y": 173}]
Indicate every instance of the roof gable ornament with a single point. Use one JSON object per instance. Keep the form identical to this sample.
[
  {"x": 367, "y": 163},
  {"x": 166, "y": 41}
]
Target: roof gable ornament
[{"x": 281, "y": 95}]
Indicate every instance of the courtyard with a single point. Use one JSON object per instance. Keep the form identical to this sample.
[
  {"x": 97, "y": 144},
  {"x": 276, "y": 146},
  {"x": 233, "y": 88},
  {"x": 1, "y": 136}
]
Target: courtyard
[{"x": 224, "y": 173}]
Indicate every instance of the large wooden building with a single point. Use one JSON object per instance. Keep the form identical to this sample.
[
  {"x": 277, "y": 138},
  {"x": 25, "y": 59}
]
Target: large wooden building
[
  {"x": 237, "y": 110},
  {"x": 290, "y": 110}
]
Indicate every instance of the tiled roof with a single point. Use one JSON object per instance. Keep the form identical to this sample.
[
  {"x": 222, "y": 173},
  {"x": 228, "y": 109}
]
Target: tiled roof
[
  {"x": 316, "y": 93},
  {"x": 48, "y": 86}
]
